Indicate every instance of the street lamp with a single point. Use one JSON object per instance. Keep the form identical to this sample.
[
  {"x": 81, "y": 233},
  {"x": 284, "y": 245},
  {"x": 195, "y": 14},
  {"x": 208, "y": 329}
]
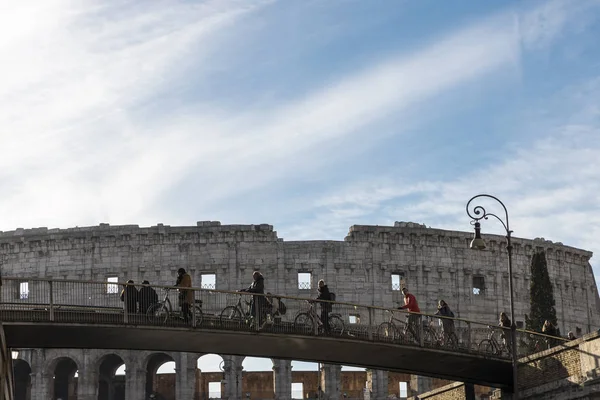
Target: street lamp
[{"x": 478, "y": 213}]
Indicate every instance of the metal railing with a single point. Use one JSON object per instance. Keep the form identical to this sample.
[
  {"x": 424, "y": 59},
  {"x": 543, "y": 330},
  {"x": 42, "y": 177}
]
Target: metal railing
[{"x": 70, "y": 301}]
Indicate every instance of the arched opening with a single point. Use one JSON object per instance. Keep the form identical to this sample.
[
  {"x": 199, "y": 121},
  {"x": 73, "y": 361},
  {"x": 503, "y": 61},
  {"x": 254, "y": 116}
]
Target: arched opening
[
  {"x": 257, "y": 379},
  {"x": 111, "y": 386},
  {"x": 160, "y": 376},
  {"x": 306, "y": 380},
  {"x": 22, "y": 377},
  {"x": 65, "y": 379},
  {"x": 211, "y": 378},
  {"x": 353, "y": 383}
]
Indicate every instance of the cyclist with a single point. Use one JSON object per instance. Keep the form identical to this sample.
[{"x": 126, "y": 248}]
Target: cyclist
[
  {"x": 257, "y": 286},
  {"x": 324, "y": 294},
  {"x": 505, "y": 323},
  {"x": 447, "y": 324},
  {"x": 186, "y": 296},
  {"x": 410, "y": 304}
]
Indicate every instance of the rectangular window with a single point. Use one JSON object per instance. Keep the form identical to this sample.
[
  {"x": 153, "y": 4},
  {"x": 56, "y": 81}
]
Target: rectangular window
[
  {"x": 304, "y": 280},
  {"x": 111, "y": 286},
  {"x": 297, "y": 390},
  {"x": 520, "y": 324},
  {"x": 397, "y": 281},
  {"x": 208, "y": 281},
  {"x": 354, "y": 318},
  {"x": 478, "y": 285},
  {"x": 403, "y": 390},
  {"x": 24, "y": 290},
  {"x": 214, "y": 390}
]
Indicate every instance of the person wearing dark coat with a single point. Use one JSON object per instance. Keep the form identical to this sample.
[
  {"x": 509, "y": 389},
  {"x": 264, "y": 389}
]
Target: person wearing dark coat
[
  {"x": 444, "y": 311},
  {"x": 257, "y": 286},
  {"x": 129, "y": 296},
  {"x": 147, "y": 297},
  {"x": 324, "y": 294}
]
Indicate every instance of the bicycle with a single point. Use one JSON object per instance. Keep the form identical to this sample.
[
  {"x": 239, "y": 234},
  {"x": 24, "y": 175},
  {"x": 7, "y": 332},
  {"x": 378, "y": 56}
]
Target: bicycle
[
  {"x": 491, "y": 345},
  {"x": 306, "y": 321},
  {"x": 234, "y": 315},
  {"x": 389, "y": 331},
  {"x": 442, "y": 339},
  {"x": 160, "y": 312}
]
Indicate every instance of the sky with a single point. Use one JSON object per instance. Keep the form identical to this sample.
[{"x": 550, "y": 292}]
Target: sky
[{"x": 308, "y": 115}]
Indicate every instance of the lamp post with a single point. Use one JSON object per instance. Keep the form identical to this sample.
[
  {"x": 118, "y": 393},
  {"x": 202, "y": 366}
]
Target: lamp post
[{"x": 478, "y": 213}]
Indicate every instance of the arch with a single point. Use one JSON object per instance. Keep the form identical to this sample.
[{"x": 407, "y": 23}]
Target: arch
[
  {"x": 65, "y": 382},
  {"x": 22, "y": 379},
  {"x": 212, "y": 376},
  {"x": 110, "y": 386},
  {"x": 258, "y": 364},
  {"x": 165, "y": 386}
]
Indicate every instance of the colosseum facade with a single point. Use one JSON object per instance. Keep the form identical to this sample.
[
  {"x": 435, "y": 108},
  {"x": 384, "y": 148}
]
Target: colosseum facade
[{"x": 367, "y": 267}]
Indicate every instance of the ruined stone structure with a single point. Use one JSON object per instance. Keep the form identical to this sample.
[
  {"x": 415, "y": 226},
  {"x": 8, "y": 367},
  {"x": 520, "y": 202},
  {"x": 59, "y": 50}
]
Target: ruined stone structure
[{"x": 369, "y": 267}]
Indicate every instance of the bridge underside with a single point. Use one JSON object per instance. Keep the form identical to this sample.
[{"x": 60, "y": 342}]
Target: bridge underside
[{"x": 408, "y": 359}]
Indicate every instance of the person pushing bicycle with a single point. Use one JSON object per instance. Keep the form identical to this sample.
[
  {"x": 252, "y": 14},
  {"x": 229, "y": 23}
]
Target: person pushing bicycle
[{"x": 410, "y": 304}]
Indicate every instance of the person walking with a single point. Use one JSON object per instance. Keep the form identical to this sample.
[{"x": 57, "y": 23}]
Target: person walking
[
  {"x": 325, "y": 296},
  {"x": 186, "y": 296}
]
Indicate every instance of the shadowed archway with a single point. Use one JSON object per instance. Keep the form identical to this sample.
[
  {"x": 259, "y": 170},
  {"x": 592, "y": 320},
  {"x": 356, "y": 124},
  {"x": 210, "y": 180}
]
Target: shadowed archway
[
  {"x": 154, "y": 385},
  {"x": 65, "y": 381},
  {"x": 22, "y": 377},
  {"x": 110, "y": 385}
]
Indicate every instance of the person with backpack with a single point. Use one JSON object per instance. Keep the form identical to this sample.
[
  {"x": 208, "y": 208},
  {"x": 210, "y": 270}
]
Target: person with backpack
[
  {"x": 445, "y": 311},
  {"x": 147, "y": 297},
  {"x": 324, "y": 294}
]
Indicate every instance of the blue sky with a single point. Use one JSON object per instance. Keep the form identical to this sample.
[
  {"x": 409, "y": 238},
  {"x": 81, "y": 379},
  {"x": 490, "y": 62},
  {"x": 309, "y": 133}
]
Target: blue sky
[{"x": 308, "y": 115}]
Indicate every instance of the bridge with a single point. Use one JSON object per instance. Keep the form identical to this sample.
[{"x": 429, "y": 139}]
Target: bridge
[{"x": 78, "y": 314}]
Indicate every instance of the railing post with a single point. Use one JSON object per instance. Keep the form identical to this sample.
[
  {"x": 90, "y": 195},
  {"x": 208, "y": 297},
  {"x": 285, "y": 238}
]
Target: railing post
[
  {"x": 421, "y": 335},
  {"x": 194, "y": 310},
  {"x": 370, "y": 332},
  {"x": 468, "y": 335},
  {"x": 257, "y": 303},
  {"x": 51, "y": 301}
]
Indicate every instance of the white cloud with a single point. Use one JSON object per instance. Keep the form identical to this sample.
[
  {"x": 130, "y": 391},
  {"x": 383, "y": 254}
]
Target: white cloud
[{"x": 78, "y": 147}]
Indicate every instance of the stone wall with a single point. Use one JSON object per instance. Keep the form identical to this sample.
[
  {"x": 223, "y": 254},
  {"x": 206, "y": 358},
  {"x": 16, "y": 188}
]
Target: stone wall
[
  {"x": 568, "y": 371},
  {"x": 434, "y": 264}
]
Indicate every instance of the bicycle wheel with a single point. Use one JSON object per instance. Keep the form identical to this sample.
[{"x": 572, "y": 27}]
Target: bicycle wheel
[
  {"x": 158, "y": 313},
  {"x": 336, "y": 325},
  {"x": 199, "y": 315},
  {"x": 388, "y": 332},
  {"x": 231, "y": 318},
  {"x": 303, "y": 323},
  {"x": 486, "y": 346}
]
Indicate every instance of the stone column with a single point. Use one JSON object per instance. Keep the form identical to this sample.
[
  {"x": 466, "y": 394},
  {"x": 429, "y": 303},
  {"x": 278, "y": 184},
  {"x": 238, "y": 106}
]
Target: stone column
[
  {"x": 377, "y": 383},
  {"x": 41, "y": 381},
  {"x": 330, "y": 380},
  {"x": 135, "y": 379},
  {"x": 87, "y": 382},
  {"x": 420, "y": 384},
  {"x": 232, "y": 369},
  {"x": 185, "y": 376},
  {"x": 282, "y": 379}
]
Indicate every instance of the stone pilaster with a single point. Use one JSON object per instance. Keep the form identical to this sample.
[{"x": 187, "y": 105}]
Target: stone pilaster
[
  {"x": 185, "y": 376},
  {"x": 135, "y": 379},
  {"x": 420, "y": 384},
  {"x": 330, "y": 380},
  {"x": 232, "y": 369},
  {"x": 87, "y": 382},
  {"x": 282, "y": 379},
  {"x": 377, "y": 383}
]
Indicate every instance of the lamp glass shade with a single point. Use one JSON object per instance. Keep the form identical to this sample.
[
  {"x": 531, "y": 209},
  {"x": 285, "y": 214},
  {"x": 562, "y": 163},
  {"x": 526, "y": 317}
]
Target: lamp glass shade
[{"x": 477, "y": 244}]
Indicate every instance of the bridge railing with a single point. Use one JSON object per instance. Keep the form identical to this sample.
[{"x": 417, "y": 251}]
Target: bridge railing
[{"x": 70, "y": 301}]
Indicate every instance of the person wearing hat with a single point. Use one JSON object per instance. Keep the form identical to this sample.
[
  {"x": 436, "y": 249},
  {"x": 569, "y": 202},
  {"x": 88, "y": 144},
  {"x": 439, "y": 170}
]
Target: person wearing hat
[
  {"x": 147, "y": 297},
  {"x": 186, "y": 296}
]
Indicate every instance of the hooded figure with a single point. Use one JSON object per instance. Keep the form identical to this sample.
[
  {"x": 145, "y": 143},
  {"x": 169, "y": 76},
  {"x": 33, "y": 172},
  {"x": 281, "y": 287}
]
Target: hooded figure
[
  {"x": 147, "y": 297},
  {"x": 257, "y": 286},
  {"x": 129, "y": 296},
  {"x": 324, "y": 294}
]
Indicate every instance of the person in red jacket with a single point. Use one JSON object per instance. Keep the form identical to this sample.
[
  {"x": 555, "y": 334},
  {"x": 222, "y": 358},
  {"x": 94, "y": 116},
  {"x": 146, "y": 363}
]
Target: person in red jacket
[{"x": 410, "y": 304}]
